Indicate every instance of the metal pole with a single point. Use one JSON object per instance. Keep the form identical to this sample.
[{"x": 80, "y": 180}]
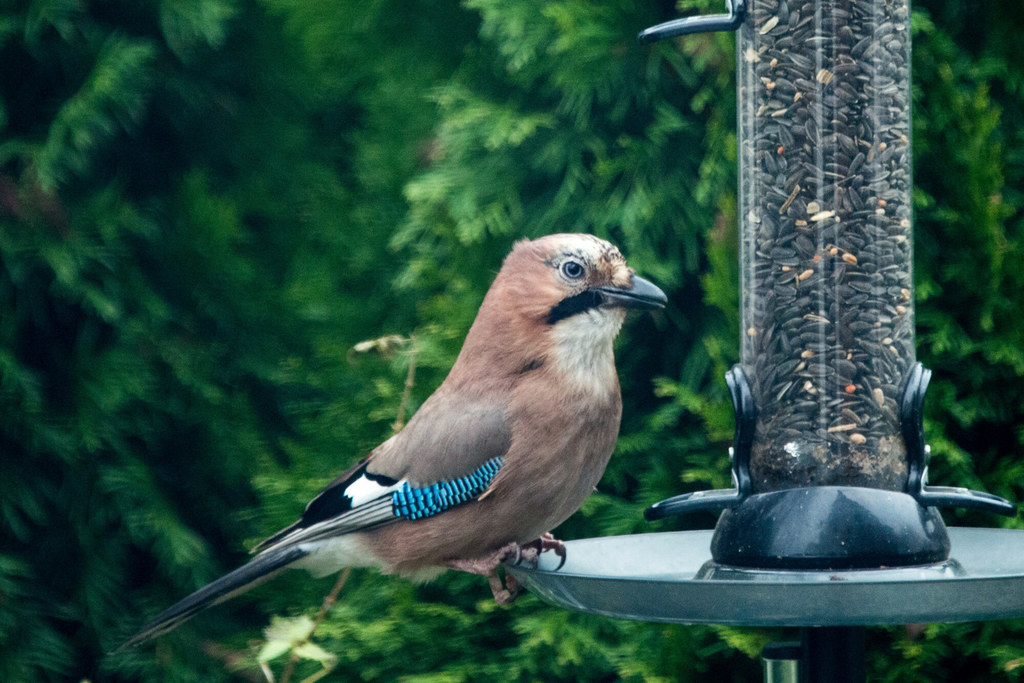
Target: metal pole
[
  {"x": 782, "y": 662},
  {"x": 833, "y": 654}
]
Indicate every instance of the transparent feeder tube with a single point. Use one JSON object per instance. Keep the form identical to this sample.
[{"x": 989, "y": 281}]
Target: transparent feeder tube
[{"x": 825, "y": 224}]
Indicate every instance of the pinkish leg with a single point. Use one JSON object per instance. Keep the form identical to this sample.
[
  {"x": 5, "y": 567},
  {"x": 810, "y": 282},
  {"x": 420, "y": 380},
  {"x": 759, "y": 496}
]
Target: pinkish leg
[
  {"x": 512, "y": 552},
  {"x": 504, "y": 593}
]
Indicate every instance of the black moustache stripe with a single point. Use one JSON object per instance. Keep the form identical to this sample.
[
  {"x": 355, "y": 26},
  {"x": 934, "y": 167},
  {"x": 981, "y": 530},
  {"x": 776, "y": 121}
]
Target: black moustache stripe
[{"x": 573, "y": 305}]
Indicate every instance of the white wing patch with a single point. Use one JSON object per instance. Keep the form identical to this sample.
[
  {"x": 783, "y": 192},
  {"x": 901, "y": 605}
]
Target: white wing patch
[{"x": 363, "y": 490}]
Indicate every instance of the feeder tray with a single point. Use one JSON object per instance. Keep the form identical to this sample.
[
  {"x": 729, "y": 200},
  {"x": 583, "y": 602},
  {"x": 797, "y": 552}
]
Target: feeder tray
[{"x": 671, "y": 577}]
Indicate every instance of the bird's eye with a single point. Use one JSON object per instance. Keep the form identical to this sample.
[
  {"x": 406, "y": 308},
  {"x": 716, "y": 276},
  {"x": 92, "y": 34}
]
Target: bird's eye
[{"x": 572, "y": 270}]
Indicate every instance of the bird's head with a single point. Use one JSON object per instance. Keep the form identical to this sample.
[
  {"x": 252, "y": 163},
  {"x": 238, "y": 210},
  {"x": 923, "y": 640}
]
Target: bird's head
[
  {"x": 563, "y": 298},
  {"x": 567, "y": 278}
]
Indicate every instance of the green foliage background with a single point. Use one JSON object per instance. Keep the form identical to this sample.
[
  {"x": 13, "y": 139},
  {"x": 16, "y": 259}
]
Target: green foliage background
[{"x": 204, "y": 204}]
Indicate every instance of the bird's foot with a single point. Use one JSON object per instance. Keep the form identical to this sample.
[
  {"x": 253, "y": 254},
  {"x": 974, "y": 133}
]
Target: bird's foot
[
  {"x": 548, "y": 542},
  {"x": 505, "y": 592}
]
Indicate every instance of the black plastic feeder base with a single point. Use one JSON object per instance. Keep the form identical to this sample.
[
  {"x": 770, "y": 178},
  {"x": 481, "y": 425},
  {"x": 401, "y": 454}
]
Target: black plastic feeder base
[{"x": 829, "y": 527}]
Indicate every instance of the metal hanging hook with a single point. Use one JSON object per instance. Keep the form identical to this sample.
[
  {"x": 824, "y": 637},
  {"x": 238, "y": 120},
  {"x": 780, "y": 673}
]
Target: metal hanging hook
[{"x": 700, "y": 24}]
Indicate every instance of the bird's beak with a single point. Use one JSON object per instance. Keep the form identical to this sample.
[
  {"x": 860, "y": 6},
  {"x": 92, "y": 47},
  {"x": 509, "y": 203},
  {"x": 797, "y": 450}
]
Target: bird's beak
[{"x": 643, "y": 295}]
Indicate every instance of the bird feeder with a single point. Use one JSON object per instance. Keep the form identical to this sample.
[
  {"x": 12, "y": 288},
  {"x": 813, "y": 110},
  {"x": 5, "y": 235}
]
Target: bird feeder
[
  {"x": 830, "y": 525},
  {"x": 829, "y": 457}
]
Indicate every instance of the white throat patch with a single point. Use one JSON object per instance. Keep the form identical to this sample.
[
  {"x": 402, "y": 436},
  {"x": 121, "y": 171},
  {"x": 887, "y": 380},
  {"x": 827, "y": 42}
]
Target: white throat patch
[{"x": 583, "y": 349}]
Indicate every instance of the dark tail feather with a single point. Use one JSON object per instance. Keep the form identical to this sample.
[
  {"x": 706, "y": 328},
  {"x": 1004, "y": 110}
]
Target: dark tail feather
[
  {"x": 256, "y": 571},
  {"x": 267, "y": 542}
]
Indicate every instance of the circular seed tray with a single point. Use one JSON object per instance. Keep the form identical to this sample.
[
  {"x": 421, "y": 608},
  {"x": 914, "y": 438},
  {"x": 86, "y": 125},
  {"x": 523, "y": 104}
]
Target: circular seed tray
[{"x": 670, "y": 577}]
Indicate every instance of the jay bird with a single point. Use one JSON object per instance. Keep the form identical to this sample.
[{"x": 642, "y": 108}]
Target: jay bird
[{"x": 507, "y": 448}]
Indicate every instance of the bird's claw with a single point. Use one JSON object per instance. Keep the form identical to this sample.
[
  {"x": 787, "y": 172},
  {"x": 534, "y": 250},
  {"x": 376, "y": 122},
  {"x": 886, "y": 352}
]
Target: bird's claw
[
  {"x": 520, "y": 555},
  {"x": 504, "y": 594},
  {"x": 548, "y": 542}
]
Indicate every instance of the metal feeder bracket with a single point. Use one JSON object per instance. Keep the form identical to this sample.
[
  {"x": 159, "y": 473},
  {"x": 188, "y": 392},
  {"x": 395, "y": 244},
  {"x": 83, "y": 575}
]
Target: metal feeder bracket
[
  {"x": 701, "y": 24},
  {"x": 912, "y": 427}
]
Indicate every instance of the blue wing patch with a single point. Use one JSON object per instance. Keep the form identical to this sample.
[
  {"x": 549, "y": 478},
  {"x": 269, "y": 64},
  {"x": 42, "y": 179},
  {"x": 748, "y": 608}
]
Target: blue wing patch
[
  {"x": 333, "y": 512},
  {"x": 417, "y": 503}
]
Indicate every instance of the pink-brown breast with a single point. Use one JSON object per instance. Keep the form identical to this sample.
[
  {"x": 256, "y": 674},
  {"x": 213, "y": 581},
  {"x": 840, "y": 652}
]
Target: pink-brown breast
[{"x": 560, "y": 448}]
